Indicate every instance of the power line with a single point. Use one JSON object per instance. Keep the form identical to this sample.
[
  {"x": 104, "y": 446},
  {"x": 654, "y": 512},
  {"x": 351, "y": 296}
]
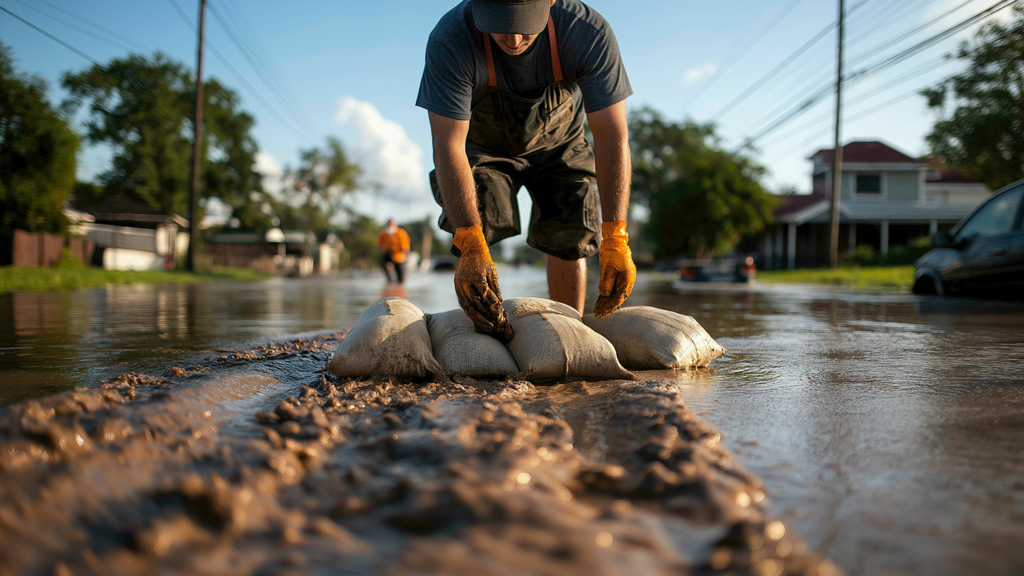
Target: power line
[
  {"x": 256, "y": 67},
  {"x": 930, "y": 66},
  {"x": 771, "y": 73},
  {"x": 234, "y": 72},
  {"x": 52, "y": 37},
  {"x": 901, "y": 37},
  {"x": 95, "y": 25},
  {"x": 743, "y": 51},
  {"x": 882, "y": 65},
  {"x": 264, "y": 56},
  {"x": 781, "y": 66},
  {"x": 891, "y": 10},
  {"x": 804, "y": 85},
  {"x": 113, "y": 43}
]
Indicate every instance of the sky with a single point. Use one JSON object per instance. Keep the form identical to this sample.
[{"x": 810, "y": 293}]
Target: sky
[{"x": 352, "y": 70}]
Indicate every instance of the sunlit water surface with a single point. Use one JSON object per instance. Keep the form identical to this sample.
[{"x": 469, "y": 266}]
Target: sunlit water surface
[{"x": 889, "y": 429}]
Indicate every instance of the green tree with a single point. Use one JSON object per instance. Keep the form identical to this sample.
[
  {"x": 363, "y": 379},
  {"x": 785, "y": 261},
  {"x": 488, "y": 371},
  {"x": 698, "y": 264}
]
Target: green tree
[
  {"x": 980, "y": 129},
  {"x": 143, "y": 108},
  {"x": 702, "y": 199},
  {"x": 318, "y": 188},
  {"x": 37, "y": 154}
]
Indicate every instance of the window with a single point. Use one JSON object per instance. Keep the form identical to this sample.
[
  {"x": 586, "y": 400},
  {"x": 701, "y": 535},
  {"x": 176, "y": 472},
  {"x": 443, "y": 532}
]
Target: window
[
  {"x": 869, "y": 185},
  {"x": 995, "y": 217}
]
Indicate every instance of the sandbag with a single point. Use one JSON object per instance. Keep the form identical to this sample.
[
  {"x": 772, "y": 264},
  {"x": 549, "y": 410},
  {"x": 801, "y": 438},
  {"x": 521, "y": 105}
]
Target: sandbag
[
  {"x": 460, "y": 349},
  {"x": 552, "y": 342},
  {"x": 648, "y": 338},
  {"x": 389, "y": 338}
]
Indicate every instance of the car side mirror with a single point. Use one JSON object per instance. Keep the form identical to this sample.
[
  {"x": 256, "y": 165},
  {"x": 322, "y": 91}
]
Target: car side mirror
[{"x": 942, "y": 240}]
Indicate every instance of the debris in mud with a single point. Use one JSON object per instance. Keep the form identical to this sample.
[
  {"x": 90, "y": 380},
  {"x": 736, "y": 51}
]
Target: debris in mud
[{"x": 379, "y": 476}]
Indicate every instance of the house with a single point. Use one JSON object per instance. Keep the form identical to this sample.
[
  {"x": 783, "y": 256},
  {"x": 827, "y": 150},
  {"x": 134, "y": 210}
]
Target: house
[
  {"x": 887, "y": 198},
  {"x": 130, "y": 236},
  {"x": 292, "y": 253}
]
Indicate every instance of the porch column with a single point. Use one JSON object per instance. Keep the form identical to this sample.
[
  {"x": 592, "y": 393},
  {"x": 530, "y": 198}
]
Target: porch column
[
  {"x": 791, "y": 247},
  {"x": 853, "y": 239},
  {"x": 933, "y": 228},
  {"x": 885, "y": 238},
  {"x": 777, "y": 260},
  {"x": 767, "y": 250}
]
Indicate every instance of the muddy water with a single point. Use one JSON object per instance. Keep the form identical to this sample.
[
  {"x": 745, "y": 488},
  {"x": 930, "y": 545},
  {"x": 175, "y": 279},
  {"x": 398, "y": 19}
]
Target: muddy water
[{"x": 886, "y": 430}]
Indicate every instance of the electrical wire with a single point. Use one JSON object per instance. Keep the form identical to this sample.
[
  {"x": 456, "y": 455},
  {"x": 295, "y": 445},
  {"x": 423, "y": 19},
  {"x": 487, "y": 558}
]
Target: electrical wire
[
  {"x": 880, "y": 66},
  {"x": 781, "y": 66},
  {"x": 234, "y": 72},
  {"x": 901, "y": 37},
  {"x": 113, "y": 43},
  {"x": 263, "y": 55},
  {"x": 97, "y": 26},
  {"x": 930, "y": 66},
  {"x": 743, "y": 51},
  {"x": 255, "y": 66},
  {"x": 52, "y": 37}
]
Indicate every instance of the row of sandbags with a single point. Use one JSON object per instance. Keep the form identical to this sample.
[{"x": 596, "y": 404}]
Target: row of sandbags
[{"x": 395, "y": 338}]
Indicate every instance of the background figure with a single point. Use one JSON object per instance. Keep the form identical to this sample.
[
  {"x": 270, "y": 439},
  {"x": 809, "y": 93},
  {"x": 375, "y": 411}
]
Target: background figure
[{"x": 393, "y": 243}]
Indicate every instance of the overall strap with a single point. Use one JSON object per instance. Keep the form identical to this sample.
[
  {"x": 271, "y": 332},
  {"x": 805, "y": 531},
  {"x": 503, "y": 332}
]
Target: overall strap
[
  {"x": 556, "y": 63},
  {"x": 492, "y": 75}
]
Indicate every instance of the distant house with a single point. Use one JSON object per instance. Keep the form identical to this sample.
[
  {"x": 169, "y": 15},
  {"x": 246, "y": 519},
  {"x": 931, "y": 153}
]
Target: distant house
[
  {"x": 887, "y": 198},
  {"x": 292, "y": 253},
  {"x": 130, "y": 236}
]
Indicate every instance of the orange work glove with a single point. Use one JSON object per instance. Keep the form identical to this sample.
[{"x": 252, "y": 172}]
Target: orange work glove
[
  {"x": 618, "y": 273},
  {"x": 476, "y": 284}
]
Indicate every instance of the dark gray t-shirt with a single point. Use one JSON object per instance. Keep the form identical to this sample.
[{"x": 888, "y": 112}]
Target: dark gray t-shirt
[{"x": 455, "y": 74}]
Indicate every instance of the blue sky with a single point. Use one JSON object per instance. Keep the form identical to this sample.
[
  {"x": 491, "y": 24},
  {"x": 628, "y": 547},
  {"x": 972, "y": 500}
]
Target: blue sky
[{"x": 354, "y": 69}]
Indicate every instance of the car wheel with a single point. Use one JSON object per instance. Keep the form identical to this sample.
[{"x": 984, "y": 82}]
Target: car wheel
[{"x": 927, "y": 286}]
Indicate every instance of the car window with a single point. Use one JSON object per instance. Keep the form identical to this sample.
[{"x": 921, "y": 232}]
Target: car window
[{"x": 995, "y": 217}]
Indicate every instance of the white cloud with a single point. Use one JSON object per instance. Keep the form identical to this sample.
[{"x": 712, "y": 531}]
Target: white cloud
[
  {"x": 388, "y": 157},
  {"x": 694, "y": 75},
  {"x": 272, "y": 172}
]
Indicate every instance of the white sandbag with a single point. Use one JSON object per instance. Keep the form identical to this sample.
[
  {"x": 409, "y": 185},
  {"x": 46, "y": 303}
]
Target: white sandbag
[
  {"x": 551, "y": 342},
  {"x": 648, "y": 338},
  {"x": 460, "y": 349},
  {"x": 389, "y": 338}
]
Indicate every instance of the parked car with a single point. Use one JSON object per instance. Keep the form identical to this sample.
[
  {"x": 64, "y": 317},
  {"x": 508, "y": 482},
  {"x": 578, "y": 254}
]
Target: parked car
[
  {"x": 732, "y": 269},
  {"x": 984, "y": 253}
]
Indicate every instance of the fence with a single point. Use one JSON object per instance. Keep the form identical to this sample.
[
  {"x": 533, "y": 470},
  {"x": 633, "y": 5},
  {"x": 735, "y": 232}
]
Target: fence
[
  {"x": 252, "y": 256},
  {"x": 27, "y": 249}
]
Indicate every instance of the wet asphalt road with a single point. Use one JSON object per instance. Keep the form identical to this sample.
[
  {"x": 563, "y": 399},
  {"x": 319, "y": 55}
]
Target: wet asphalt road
[{"x": 888, "y": 429}]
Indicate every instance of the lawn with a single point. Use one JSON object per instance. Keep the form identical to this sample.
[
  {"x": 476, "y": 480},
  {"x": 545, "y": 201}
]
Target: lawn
[
  {"x": 75, "y": 277},
  {"x": 901, "y": 277}
]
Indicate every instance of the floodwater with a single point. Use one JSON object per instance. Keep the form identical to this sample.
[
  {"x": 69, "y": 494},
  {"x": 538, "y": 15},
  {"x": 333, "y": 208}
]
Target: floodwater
[{"x": 888, "y": 430}]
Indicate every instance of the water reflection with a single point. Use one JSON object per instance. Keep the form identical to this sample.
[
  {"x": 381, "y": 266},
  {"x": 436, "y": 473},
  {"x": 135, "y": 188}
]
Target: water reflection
[{"x": 889, "y": 428}]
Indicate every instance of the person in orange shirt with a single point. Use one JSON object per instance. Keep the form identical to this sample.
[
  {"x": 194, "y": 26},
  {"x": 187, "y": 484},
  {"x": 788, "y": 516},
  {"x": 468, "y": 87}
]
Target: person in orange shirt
[{"x": 393, "y": 243}]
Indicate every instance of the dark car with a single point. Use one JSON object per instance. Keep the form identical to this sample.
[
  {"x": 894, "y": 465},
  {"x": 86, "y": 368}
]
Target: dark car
[
  {"x": 734, "y": 269},
  {"x": 983, "y": 254}
]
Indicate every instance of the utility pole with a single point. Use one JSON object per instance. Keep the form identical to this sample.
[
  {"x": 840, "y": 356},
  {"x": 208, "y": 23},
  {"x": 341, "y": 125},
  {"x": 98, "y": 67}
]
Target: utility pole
[
  {"x": 837, "y": 160},
  {"x": 197, "y": 156}
]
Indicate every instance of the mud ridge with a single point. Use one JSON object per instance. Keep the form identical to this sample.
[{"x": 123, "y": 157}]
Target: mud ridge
[{"x": 378, "y": 477}]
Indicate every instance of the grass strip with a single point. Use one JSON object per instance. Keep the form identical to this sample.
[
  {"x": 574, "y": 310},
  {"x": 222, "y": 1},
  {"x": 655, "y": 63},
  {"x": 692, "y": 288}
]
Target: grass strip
[
  {"x": 901, "y": 277},
  {"x": 60, "y": 278}
]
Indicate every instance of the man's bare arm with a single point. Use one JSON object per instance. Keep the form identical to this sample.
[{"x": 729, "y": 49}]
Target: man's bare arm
[
  {"x": 454, "y": 175},
  {"x": 611, "y": 153}
]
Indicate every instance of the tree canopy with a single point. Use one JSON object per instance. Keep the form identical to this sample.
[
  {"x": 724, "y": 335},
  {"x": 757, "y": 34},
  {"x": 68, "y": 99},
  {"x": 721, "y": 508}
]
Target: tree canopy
[
  {"x": 702, "y": 198},
  {"x": 37, "y": 154},
  {"x": 143, "y": 108},
  {"x": 316, "y": 190},
  {"x": 980, "y": 129}
]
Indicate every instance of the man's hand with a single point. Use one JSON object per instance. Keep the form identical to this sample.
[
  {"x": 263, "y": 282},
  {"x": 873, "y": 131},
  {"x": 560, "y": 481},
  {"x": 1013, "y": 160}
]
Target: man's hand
[
  {"x": 618, "y": 273},
  {"x": 476, "y": 284}
]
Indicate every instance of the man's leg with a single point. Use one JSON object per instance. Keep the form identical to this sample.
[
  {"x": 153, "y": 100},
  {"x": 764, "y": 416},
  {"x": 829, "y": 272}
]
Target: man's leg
[
  {"x": 385, "y": 263},
  {"x": 567, "y": 281},
  {"x": 400, "y": 272}
]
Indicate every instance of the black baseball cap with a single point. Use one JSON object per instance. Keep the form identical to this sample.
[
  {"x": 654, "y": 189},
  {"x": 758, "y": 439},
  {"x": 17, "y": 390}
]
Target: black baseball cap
[{"x": 511, "y": 16}]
